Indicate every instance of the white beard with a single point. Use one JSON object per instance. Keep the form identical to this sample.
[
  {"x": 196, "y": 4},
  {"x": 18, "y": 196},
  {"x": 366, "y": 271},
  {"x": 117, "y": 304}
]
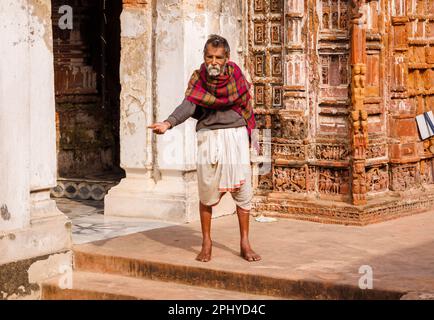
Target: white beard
[{"x": 214, "y": 71}]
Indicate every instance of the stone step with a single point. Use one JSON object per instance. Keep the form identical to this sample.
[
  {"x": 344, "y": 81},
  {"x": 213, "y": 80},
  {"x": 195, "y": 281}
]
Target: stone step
[
  {"x": 208, "y": 277},
  {"x": 99, "y": 286}
]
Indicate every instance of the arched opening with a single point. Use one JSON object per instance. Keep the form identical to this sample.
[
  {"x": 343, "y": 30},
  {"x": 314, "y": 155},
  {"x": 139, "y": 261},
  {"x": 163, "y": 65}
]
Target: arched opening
[{"x": 87, "y": 89}]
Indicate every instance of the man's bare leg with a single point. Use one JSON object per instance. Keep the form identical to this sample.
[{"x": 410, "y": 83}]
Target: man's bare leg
[
  {"x": 205, "y": 220},
  {"x": 246, "y": 250}
]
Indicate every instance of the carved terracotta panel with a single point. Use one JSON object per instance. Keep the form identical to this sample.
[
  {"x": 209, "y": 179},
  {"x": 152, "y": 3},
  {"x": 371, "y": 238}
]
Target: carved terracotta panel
[
  {"x": 404, "y": 177},
  {"x": 378, "y": 179},
  {"x": 333, "y": 181},
  {"x": 289, "y": 179}
]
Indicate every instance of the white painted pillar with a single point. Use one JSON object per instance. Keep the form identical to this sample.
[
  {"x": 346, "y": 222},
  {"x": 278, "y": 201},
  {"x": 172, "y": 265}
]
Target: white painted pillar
[
  {"x": 30, "y": 223},
  {"x": 14, "y": 117}
]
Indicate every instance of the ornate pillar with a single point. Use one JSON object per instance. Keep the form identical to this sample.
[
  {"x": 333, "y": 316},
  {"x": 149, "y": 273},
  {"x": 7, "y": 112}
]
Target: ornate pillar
[{"x": 359, "y": 116}]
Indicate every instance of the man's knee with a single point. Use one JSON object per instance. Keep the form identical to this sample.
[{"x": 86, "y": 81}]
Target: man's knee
[
  {"x": 203, "y": 204},
  {"x": 218, "y": 201},
  {"x": 247, "y": 206},
  {"x": 243, "y": 200}
]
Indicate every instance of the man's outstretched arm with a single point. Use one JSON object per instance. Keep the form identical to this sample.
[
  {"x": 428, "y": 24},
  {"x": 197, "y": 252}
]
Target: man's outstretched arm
[{"x": 184, "y": 111}]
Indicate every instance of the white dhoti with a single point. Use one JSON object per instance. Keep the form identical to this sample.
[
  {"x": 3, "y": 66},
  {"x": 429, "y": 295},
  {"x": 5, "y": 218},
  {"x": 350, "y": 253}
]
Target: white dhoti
[{"x": 223, "y": 165}]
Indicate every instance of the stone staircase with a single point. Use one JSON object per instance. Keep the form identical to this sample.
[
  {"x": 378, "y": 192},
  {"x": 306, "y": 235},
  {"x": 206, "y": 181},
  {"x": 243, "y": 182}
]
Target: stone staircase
[
  {"x": 111, "y": 278},
  {"x": 103, "y": 286},
  {"x": 99, "y": 276}
]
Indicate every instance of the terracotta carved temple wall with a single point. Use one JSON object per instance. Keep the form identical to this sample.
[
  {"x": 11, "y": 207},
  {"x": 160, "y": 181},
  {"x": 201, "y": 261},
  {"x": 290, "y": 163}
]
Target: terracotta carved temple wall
[{"x": 339, "y": 83}]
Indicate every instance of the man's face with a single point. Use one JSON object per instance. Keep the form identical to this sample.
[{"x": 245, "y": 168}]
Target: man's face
[{"x": 215, "y": 60}]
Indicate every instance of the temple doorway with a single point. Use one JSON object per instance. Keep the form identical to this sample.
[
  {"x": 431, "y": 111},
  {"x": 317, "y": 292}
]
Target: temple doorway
[{"x": 87, "y": 89}]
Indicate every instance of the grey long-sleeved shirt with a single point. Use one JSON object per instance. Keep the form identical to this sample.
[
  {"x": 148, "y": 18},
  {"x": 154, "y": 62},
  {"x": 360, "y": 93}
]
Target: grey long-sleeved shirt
[{"x": 206, "y": 117}]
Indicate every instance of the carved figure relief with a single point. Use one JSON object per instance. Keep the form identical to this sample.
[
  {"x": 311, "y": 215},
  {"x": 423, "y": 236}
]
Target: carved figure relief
[
  {"x": 426, "y": 171},
  {"x": 259, "y": 94},
  {"x": 289, "y": 179},
  {"x": 404, "y": 177},
  {"x": 259, "y": 33},
  {"x": 376, "y": 151},
  {"x": 277, "y": 97},
  {"x": 378, "y": 179},
  {"x": 276, "y": 34},
  {"x": 260, "y": 65},
  {"x": 333, "y": 181},
  {"x": 331, "y": 152},
  {"x": 265, "y": 182},
  {"x": 312, "y": 178},
  {"x": 286, "y": 151}
]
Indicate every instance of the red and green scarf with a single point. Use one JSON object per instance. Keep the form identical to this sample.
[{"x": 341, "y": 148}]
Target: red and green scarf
[{"x": 230, "y": 89}]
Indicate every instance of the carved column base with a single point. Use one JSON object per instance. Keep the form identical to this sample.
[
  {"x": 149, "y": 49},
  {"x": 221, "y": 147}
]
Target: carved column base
[
  {"x": 43, "y": 208},
  {"x": 174, "y": 198},
  {"x": 40, "y": 250}
]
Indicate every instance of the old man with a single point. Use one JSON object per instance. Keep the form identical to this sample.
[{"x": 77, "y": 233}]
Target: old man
[{"x": 218, "y": 97}]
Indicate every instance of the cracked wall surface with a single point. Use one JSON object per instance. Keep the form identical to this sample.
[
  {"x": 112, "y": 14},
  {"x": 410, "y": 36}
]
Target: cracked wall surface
[{"x": 136, "y": 82}]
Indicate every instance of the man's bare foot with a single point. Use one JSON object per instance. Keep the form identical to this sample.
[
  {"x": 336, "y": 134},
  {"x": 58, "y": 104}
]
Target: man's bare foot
[
  {"x": 205, "y": 253},
  {"x": 248, "y": 254}
]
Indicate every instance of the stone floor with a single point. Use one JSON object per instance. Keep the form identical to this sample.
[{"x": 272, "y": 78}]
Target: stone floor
[
  {"x": 399, "y": 253},
  {"x": 89, "y": 223}
]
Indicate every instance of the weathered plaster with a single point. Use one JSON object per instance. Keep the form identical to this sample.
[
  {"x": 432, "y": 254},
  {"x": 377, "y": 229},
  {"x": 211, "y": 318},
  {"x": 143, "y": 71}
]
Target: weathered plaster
[
  {"x": 45, "y": 235},
  {"x": 40, "y": 12},
  {"x": 136, "y": 81},
  {"x": 21, "y": 279},
  {"x": 5, "y": 214}
]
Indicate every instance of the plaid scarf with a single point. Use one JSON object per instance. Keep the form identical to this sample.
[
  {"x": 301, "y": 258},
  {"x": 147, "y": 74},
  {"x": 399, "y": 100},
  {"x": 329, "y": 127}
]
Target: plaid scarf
[{"x": 229, "y": 89}]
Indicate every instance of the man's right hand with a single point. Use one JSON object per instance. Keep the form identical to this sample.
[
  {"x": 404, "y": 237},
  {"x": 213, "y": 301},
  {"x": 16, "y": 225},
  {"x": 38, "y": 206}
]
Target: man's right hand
[{"x": 160, "y": 127}]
